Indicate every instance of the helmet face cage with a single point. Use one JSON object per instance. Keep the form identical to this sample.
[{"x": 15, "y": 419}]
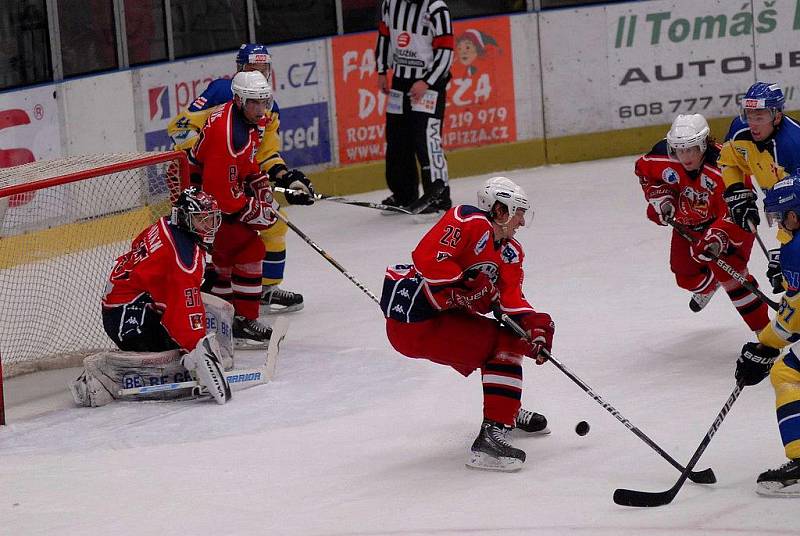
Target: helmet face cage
[
  {"x": 256, "y": 55},
  {"x": 782, "y": 198},
  {"x": 505, "y": 191},
  {"x": 762, "y": 96},
  {"x": 252, "y": 85},
  {"x": 687, "y": 131},
  {"x": 197, "y": 212}
]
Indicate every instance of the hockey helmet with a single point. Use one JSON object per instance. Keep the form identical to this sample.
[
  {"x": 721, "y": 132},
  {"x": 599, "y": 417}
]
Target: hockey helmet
[
  {"x": 197, "y": 212},
  {"x": 256, "y": 55},
  {"x": 252, "y": 85},
  {"x": 689, "y": 130},
  {"x": 504, "y": 190},
  {"x": 781, "y": 198},
  {"x": 762, "y": 96}
]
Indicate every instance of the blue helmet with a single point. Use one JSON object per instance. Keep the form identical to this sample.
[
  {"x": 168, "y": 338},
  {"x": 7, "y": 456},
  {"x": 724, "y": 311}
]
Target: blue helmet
[
  {"x": 257, "y": 55},
  {"x": 763, "y": 96},
  {"x": 782, "y": 197}
]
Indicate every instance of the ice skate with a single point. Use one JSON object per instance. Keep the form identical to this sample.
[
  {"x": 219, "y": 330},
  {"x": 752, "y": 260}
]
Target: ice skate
[
  {"x": 275, "y": 300},
  {"x": 492, "y": 450},
  {"x": 531, "y": 422},
  {"x": 781, "y": 482},
  {"x": 250, "y": 333},
  {"x": 699, "y": 301}
]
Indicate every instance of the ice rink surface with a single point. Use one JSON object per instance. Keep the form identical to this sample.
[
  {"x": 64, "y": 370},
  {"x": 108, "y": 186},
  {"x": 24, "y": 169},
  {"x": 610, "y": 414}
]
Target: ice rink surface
[{"x": 352, "y": 438}]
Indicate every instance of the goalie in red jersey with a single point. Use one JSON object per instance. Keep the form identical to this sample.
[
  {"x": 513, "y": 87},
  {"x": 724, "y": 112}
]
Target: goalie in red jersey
[
  {"x": 682, "y": 184},
  {"x": 466, "y": 265}
]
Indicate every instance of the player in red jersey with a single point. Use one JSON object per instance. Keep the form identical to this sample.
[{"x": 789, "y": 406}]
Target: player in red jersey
[
  {"x": 682, "y": 183},
  {"x": 224, "y": 162},
  {"x": 152, "y": 300},
  {"x": 466, "y": 265}
]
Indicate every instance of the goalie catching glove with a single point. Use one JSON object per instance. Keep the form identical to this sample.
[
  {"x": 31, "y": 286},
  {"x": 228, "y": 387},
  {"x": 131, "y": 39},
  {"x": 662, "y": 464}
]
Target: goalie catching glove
[
  {"x": 476, "y": 295},
  {"x": 302, "y": 190}
]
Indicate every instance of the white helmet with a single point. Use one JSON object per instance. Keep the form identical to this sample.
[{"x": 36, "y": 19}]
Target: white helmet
[
  {"x": 252, "y": 85},
  {"x": 507, "y": 192},
  {"x": 688, "y": 131}
]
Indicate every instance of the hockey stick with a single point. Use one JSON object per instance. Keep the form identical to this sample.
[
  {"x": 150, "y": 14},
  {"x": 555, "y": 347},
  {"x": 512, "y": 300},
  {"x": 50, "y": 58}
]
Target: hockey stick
[
  {"x": 739, "y": 278},
  {"x": 328, "y": 258},
  {"x": 240, "y": 378},
  {"x": 700, "y": 477},
  {"x": 345, "y": 201},
  {"x": 628, "y": 497},
  {"x": 758, "y": 239}
]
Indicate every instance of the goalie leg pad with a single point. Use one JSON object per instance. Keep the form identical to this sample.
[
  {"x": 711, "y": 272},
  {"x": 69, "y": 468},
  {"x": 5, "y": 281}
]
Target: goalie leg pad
[
  {"x": 219, "y": 320},
  {"x": 204, "y": 363}
]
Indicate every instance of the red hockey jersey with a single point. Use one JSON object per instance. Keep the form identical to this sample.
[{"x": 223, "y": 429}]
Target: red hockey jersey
[
  {"x": 224, "y": 155},
  {"x": 167, "y": 264},
  {"x": 462, "y": 241},
  {"x": 698, "y": 196}
]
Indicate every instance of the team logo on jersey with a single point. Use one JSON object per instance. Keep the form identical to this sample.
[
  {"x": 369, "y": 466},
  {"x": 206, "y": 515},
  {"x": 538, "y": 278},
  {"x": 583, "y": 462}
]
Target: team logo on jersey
[
  {"x": 481, "y": 245},
  {"x": 404, "y": 39},
  {"x": 694, "y": 203},
  {"x": 196, "y": 321},
  {"x": 707, "y": 182},
  {"x": 742, "y": 151},
  {"x": 159, "y": 102},
  {"x": 442, "y": 255},
  {"x": 670, "y": 176},
  {"x": 488, "y": 268},
  {"x": 510, "y": 254}
]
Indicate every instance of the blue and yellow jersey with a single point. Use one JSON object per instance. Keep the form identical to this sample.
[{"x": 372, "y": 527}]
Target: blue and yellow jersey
[
  {"x": 785, "y": 327},
  {"x": 186, "y": 126},
  {"x": 768, "y": 161}
]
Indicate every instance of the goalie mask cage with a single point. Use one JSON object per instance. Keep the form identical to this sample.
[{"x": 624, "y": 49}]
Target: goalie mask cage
[{"x": 63, "y": 223}]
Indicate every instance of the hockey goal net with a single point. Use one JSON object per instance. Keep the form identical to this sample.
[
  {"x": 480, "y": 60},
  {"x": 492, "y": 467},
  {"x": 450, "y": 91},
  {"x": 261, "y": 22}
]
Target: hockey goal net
[{"x": 62, "y": 225}]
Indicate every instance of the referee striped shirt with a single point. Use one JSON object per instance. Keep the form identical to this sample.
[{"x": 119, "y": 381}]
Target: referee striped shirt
[{"x": 415, "y": 38}]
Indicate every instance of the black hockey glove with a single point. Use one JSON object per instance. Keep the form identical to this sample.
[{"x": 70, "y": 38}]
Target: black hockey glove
[
  {"x": 774, "y": 272},
  {"x": 754, "y": 362},
  {"x": 742, "y": 205},
  {"x": 295, "y": 179}
]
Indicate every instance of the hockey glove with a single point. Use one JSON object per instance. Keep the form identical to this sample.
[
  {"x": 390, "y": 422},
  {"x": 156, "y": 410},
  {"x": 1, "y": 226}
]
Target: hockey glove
[
  {"x": 257, "y": 214},
  {"x": 754, "y": 362},
  {"x": 742, "y": 205},
  {"x": 713, "y": 244},
  {"x": 662, "y": 205},
  {"x": 541, "y": 329},
  {"x": 296, "y": 180},
  {"x": 774, "y": 272},
  {"x": 476, "y": 295},
  {"x": 257, "y": 185}
]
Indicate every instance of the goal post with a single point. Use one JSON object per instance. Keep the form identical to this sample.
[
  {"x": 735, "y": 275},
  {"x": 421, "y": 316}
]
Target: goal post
[{"x": 62, "y": 225}]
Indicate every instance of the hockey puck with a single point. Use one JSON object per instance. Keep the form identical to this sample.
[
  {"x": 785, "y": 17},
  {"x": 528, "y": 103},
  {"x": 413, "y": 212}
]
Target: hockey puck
[{"x": 582, "y": 428}]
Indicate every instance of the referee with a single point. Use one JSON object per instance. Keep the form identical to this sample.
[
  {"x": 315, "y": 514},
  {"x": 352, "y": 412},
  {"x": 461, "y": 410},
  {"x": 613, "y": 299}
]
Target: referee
[{"x": 415, "y": 38}]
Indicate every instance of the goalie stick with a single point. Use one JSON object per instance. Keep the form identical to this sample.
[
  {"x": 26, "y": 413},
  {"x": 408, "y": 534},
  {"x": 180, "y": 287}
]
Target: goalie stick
[
  {"x": 237, "y": 378},
  {"x": 345, "y": 201},
  {"x": 629, "y": 497},
  {"x": 739, "y": 278},
  {"x": 700, "y": 477}
]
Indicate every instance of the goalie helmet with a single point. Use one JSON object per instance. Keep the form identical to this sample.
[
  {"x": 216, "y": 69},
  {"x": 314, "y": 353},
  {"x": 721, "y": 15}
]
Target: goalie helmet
[
  {"x": 256, "y": 55},
  {"x": 252, "y": 85},
  {"x": 762, "y": 96},
  {"x": 781, "y": 198},
  {"x": 197, "y": 212},
  {"x": 688, "y": 131},
  {"x": 504, "y": 190}
]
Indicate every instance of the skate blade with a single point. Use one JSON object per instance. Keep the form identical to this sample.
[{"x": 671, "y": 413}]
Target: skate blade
[
  {"x": 525, "y": 433},
  {"x": 777, "y": 489},
  {"x": 485, "y": 462},
  {"x": 249, "y": 344},
  {"x": 273, "y": 309}
]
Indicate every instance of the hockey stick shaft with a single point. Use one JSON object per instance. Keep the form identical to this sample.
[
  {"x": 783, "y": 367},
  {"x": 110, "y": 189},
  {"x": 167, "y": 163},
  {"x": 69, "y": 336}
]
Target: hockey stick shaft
[
  {"x": 701, "y": 477},
  {"x": 345, "y": 201},
  {"x": 627, "y": 497},
  {"x": 739, "y": 278},
  {"x": 758, "y": 239},
  {"x": 327, "y": 257}
]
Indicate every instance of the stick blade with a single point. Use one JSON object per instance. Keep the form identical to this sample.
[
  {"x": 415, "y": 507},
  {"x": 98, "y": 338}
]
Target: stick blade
[
  {"x": 646, "y": 499},
  {"x": 703, "y": 477}
]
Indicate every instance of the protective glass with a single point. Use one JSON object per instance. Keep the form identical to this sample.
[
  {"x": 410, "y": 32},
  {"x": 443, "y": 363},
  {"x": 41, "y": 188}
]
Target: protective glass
[{"x": 774, "y": 218}]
